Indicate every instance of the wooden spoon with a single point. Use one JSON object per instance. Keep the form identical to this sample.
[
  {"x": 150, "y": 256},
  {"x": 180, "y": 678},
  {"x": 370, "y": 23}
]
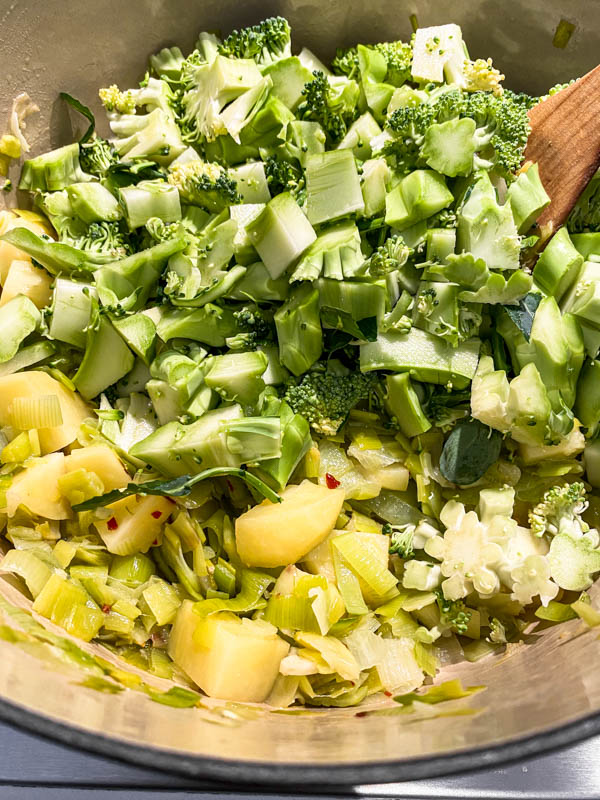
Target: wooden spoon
[{"x": 565, "y": 143}]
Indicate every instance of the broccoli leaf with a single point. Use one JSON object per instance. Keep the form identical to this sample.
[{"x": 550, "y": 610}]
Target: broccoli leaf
[
  {"x": 469, "y": 452},
  {"x": 87, "y": 113},
  {"x": 364, "y": 329},
  {"x": 523, "y": 312},
  {"x": 177, "y": 487}
]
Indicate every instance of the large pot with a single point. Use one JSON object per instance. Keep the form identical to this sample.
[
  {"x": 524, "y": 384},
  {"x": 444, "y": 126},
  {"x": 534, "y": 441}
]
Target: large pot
[{"x": 537, "y": 697}]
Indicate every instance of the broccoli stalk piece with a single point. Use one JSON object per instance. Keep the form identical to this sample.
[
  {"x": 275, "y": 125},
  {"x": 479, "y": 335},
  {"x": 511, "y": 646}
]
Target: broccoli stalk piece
[
  {"x": 560, "y": 511},
  {"x": 265, "y": 43},
  {"x": 325, "y": 399},
  {"x": 205, "y": 184}
]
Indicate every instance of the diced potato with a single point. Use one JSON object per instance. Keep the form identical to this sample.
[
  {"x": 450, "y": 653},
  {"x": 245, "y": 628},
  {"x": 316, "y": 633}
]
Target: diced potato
[
  {"x": 228, "y": 657},
  {"x": 24, "y": 278},
  {"x": 136, "y": 522},
  {"x": 102, "y": 460},
  {"x": 34, "y": 384},
  {"x": 278, "y": 534},
  {"x": 36, "y": 488},
  {"x": 10, "y": 253}
]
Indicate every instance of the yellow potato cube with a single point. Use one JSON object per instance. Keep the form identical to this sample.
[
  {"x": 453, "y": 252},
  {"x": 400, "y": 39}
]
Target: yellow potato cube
[
  {"x": 228, "y": 657},
  {"x": 33, "y": 282},
  {"x": 278, "y": 534}
]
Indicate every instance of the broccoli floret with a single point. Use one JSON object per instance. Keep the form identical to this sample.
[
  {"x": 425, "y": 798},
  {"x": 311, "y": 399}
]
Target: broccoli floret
[
  {"x": 346, "y": 62},
  {"x": 204, "y": 183},
  {"x": 398, "y": 56},
  {"x": 409, "y": 124},
  {"x": 114, "y": 100},
  {"x": 560, "y": 511},
  {"x": 586, "y": 213},
  {"x": 502, "y": 128},
  {"x": 266, "y": 42},
  {"x": 97, "y": 156},
  {"x": 100, "y": 237},
  {"x": 504, "y": 122},
  {"x": 284, "y": 176},
  {"x": 453, "y": 613},
  {"x": 401, "y": 539},
  {"x": 399, "y": 61},
  {"x": 391, "y": 255},
  {"x": 256, "y": 329},
  {"x": 482, "y": 76},
  {"x": 334, "y": 107},
  {"x": 325, "y": 399}
]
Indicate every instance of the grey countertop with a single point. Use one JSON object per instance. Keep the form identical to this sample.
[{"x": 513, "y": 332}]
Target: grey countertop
[{"x": 31, "y": 767}]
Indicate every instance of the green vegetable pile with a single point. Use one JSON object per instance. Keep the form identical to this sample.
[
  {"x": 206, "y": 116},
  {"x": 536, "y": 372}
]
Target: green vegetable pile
[{"x": 291, "y": 378}]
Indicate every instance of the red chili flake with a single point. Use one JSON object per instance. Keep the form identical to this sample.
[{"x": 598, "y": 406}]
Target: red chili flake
[
  {"x": 112, "y": 524},
  {"x": 388, "y": 694},
  {"x": 331, "y": 481},
  {"x": 229, "y": 485},
  {"x": 361, "y": 714},
  {"x": 154, "y": 543},
  {"x": 106, "y": 608},
  {"x": 157, "y": 514}
]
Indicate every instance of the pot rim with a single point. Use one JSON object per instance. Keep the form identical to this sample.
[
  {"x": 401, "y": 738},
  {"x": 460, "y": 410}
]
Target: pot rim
[{"x": 237, "y": 773}]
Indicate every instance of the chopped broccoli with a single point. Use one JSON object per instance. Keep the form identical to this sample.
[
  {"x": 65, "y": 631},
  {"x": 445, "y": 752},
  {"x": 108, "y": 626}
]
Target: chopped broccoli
[
  {"x": 326, "y": 399},
  {"x": 266, "y": 42},
  {"x": 204, "y": 183},
  {"x": 333, "y": 106},
  {"x": 398, "y": 57},
  {"x": 97, "y": 156},
  {"x": 482, "y": 76},
  {"x": 454, "y": 613},
  {"x": 585, "y": 216},
  {"x": 401, "y": 539},
  {"x": 114, "y": 100},
  {"x": 100, "y": 237},
  {"x": 255, "y": 326},
  {"x": 346, "y": 63},
  {"x": 284, "y": 176},
  {"x": 502, "y": 128},
  {"x": 391, "y": 255},
  {"x": 560, "y": 511}
]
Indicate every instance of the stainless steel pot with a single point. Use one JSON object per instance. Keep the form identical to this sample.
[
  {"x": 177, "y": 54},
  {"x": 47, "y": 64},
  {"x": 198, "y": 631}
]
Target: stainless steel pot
[{"x": 537, "y": 697}]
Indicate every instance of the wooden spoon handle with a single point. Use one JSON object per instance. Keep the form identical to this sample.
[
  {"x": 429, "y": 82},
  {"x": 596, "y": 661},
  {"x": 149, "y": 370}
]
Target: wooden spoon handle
[{"x": 565, "y": 143}]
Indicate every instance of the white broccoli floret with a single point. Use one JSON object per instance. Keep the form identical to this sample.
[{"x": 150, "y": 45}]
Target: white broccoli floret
[{"x": 468, "y": 556}]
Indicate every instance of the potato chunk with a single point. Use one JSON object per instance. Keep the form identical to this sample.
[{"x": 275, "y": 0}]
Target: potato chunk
[
  {"x": 278, "y": 534},
  {"x": 228, "y": 657},
  {"x": 36, "y": 488},
  {"x": 99, "y": 458},
  {"x": 36, "y": 383}
]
